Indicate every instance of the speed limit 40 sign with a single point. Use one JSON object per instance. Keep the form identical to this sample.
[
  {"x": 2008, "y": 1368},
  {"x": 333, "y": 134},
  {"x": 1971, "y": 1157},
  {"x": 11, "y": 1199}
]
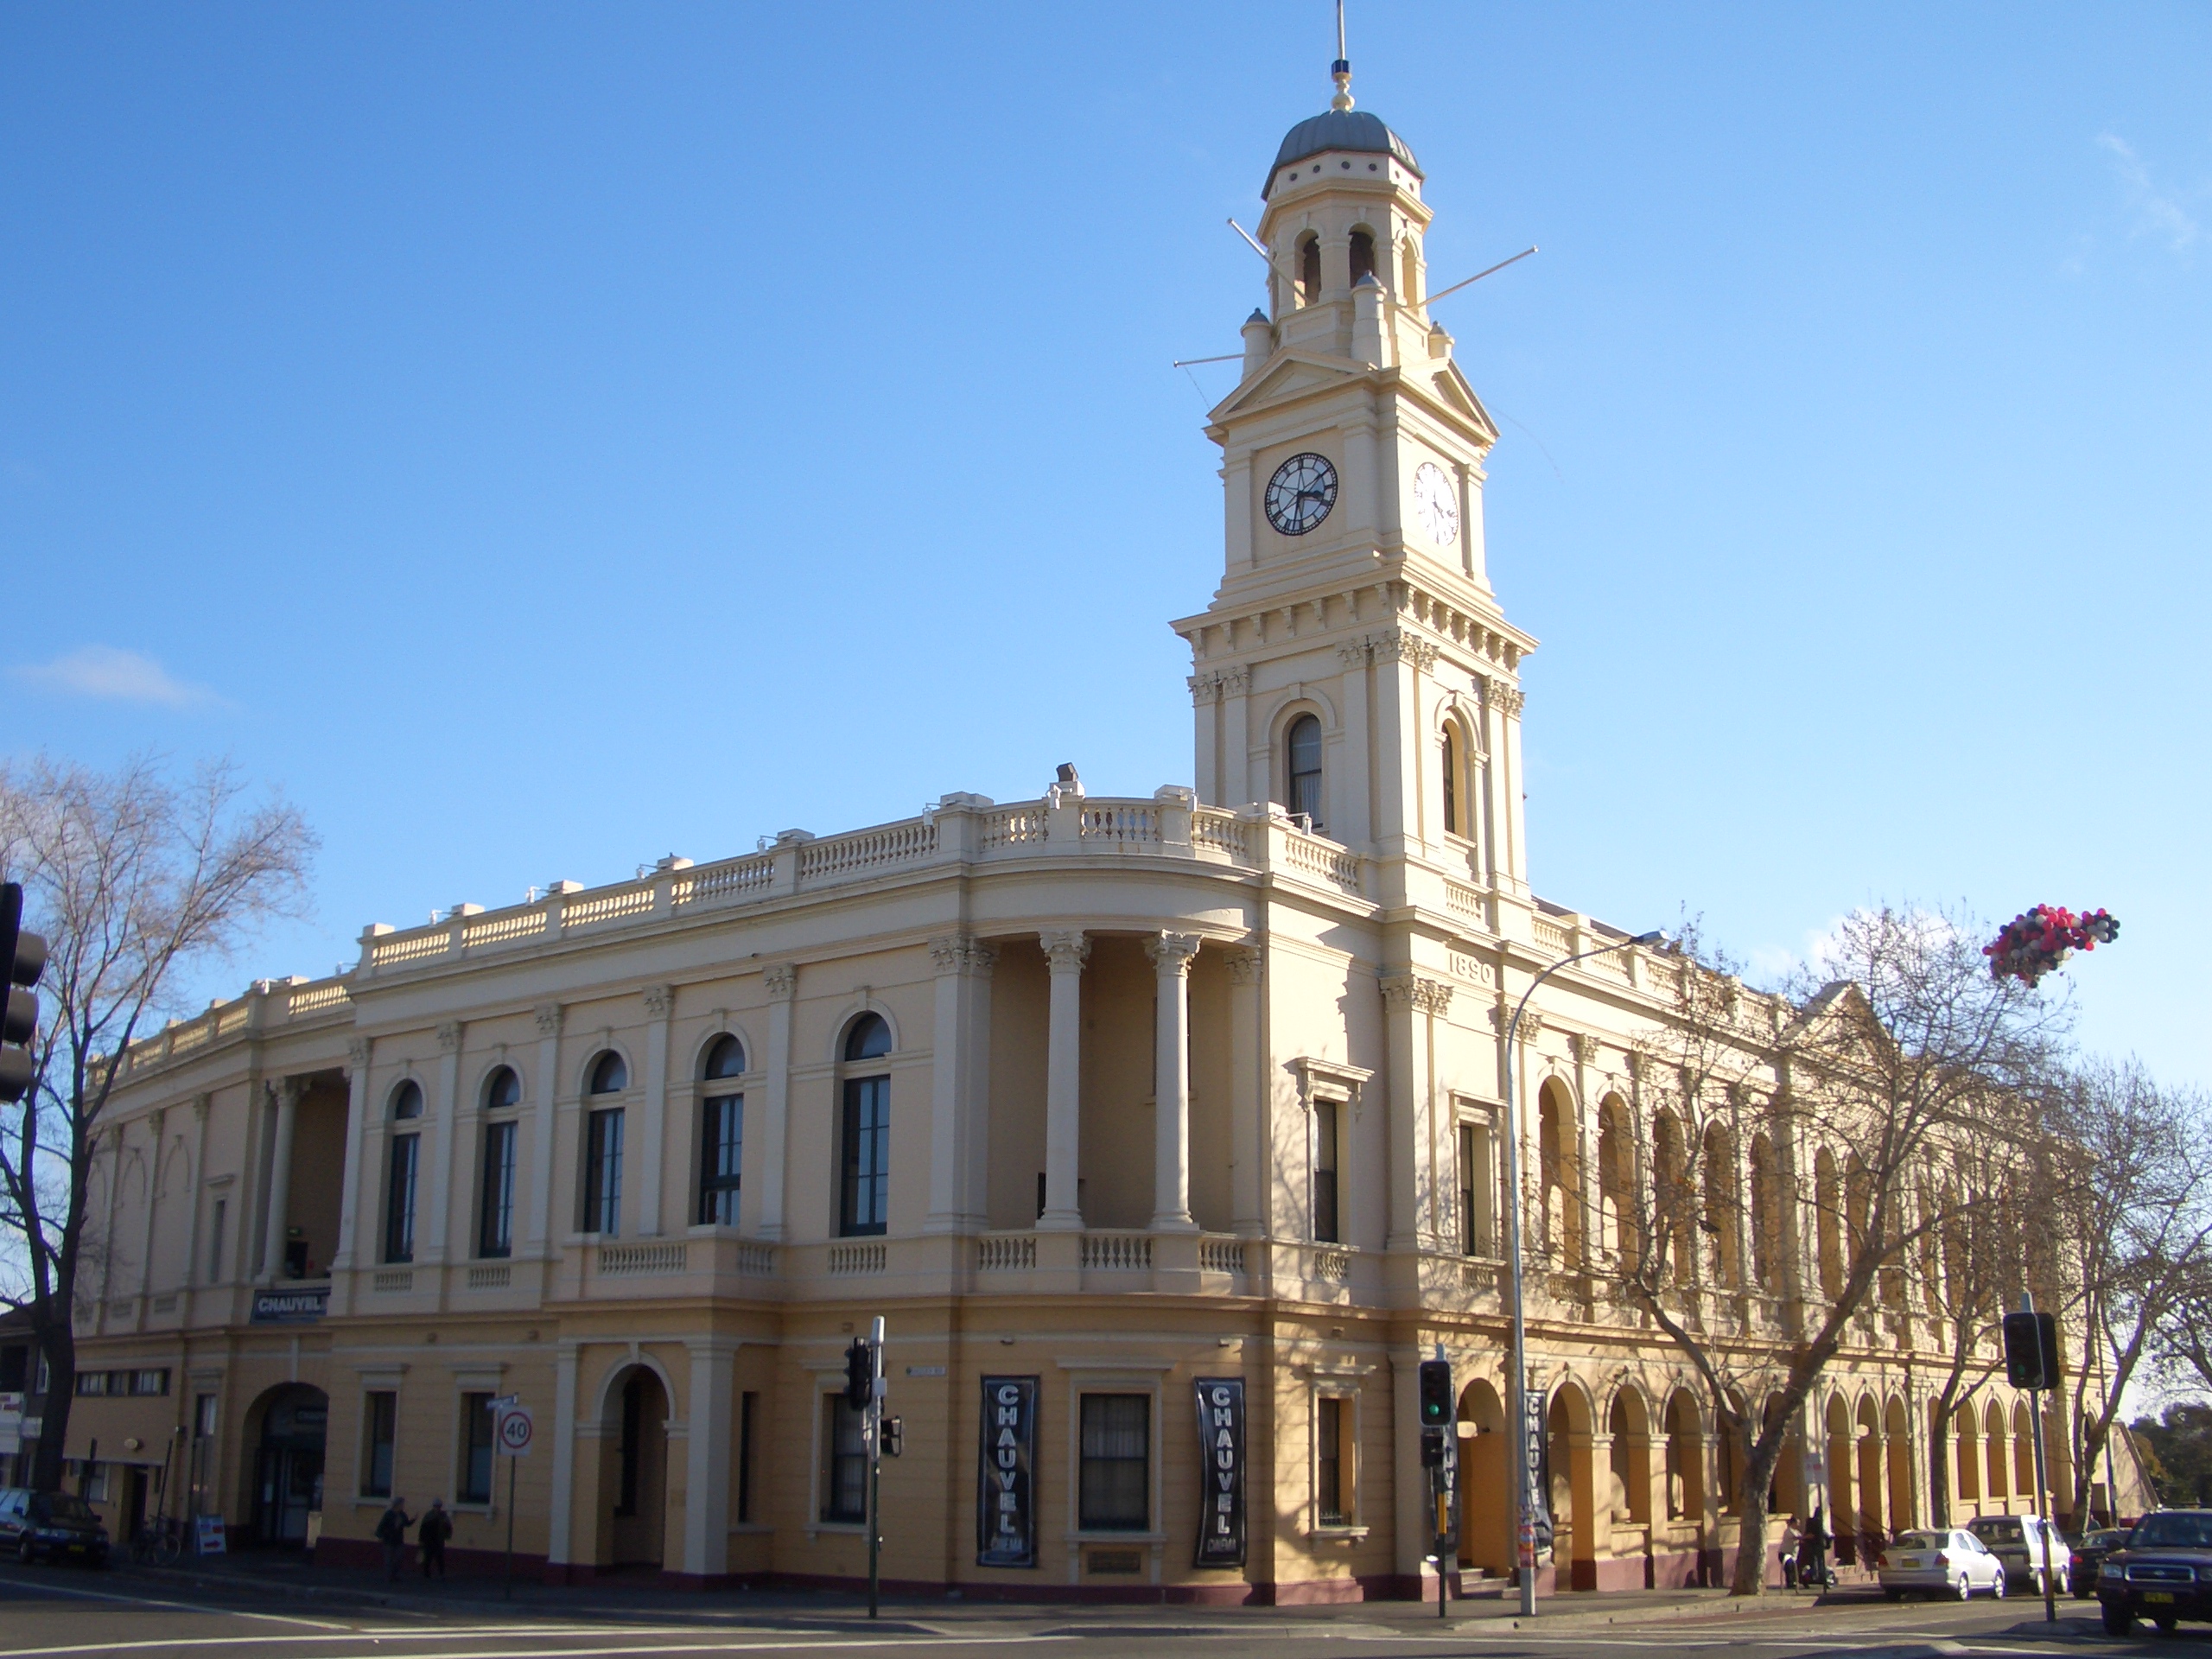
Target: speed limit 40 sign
[{"x": 513, "y": 1432}]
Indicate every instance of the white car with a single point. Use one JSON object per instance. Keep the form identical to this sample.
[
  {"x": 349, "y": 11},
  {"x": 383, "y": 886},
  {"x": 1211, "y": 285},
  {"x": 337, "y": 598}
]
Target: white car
[
  {"x": 2017, "y": 1541},
  {"x": 1954, "y": 1563}
]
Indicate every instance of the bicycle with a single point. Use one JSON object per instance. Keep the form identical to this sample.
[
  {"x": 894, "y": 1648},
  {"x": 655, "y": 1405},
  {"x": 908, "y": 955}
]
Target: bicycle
[{"x": 160, "y": 1542}]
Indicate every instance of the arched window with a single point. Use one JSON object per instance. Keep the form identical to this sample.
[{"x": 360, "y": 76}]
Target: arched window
[
  {"x": 495, "y": 1207},
  {"x": 864, "y": 1175},
  {"x": 721, "y": 1134},
  {"x": 1409, "y": 287},
  {"x": 726, "y": 1058},
  {"x": 403, "y": 1163},
  {"x": 1719, "y": 1220},
  {"x": 1309, "y": 269},
  {"x": 1304, "y": 744},
  {"x": 1451, "y": 825},
  {"x": 610, "y": 1075}
]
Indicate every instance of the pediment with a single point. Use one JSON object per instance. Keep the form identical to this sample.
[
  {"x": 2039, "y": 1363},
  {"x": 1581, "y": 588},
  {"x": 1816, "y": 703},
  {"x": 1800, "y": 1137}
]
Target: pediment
[
  {"x": 1287, "y": 375},
  {"x": 1452, "y": 391}
]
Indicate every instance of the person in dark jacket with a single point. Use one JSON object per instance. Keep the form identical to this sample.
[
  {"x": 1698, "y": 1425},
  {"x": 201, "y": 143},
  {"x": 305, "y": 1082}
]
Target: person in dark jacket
[
  {"x": 392, "y": 1532},
  {"x": 436, "y": 1527}
]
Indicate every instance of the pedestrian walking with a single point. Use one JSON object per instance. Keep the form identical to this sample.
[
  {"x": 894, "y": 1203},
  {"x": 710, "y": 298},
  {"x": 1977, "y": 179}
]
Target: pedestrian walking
[
  {"x": 436, "y": 1527},
  {"x": 1790, "y": 1540},
  {"x": 392, "y": 1532}
]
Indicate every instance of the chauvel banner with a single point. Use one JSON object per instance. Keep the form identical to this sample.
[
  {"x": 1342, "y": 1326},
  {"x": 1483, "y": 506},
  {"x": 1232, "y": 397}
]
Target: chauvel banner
[
  {"x": 1221, "y": 1460},
  {"x": 1006, "y": 1497}
]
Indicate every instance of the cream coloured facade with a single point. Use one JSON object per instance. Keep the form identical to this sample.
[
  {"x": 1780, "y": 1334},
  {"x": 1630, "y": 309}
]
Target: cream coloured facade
[{"x": 1107, "y": 1097}]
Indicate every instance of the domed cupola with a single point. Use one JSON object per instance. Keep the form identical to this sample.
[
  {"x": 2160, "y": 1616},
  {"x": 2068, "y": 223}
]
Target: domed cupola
[{"x": 1344, "y": 134}]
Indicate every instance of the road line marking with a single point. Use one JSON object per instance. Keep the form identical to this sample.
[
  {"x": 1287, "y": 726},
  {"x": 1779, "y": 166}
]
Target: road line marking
[
  {"x": 33, "y": 1587},
  {"x": 707, "y": 1646}
]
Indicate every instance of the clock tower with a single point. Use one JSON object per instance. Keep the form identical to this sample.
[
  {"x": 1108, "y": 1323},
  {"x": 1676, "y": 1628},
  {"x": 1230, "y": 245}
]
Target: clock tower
[{"x": 1355, "y": 666}]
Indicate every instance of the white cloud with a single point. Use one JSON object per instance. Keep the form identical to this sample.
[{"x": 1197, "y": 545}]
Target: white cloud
[
  {"x": 2157, "y": 213},
  {"x": 121, "y": 676}
]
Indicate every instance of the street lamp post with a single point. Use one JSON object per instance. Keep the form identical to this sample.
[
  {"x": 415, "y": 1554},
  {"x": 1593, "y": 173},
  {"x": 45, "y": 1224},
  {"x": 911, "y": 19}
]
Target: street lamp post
[{"x": 1516, "y": 1404}]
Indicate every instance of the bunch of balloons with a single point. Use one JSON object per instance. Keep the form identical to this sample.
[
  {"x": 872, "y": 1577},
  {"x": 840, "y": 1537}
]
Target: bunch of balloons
[{"x": 2031, "y": 946}]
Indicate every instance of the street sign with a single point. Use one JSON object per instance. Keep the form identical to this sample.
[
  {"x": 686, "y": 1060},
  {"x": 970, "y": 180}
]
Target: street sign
[{"x": 513, "y": 1432}]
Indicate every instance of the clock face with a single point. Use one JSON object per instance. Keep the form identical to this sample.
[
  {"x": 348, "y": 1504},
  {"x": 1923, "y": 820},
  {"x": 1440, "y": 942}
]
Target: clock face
[
  {"x": 1300, "y": 493},
  {"x": 1437, "y": 504}
]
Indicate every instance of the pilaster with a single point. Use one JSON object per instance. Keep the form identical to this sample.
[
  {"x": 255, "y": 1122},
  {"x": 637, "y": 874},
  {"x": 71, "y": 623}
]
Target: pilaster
[
  {"x": 660, "y": 1010},
  {"x": 780, "y": 982}
]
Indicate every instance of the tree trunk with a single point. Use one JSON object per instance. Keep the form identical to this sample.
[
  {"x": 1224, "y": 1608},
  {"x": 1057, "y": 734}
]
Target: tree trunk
[
  {"x": 57, "y": 1344},
  {"x": 1749, "y": 1577},
  {"x": 1939, "y": 1468}
]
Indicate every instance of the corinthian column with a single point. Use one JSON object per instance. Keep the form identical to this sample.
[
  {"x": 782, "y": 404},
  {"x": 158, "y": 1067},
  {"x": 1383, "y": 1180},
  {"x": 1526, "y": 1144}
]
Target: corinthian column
[
  {"x": 280, "y": 1181},
  {"x": 1066, "y": 952},
  {"x": 1171, "y": 954}
]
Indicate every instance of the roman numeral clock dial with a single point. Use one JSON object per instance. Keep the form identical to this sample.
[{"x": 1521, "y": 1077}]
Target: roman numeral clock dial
[{"x": 1300, "y": 493}]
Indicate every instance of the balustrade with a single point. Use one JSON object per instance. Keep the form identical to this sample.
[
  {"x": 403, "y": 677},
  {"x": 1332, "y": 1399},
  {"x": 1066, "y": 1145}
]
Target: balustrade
[
  {"x": 625, "y": 1261},
  {"x": 1117, "y": 1252},
  {"x": 848, "y": 1259}
]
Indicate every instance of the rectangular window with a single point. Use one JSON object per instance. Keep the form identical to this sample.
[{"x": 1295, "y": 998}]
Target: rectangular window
[
  {"x": 150, "y": 1382},
  {"x": 215, "y": 1242},
  {"x": 1117, "y": 1462},
  {"x": 379, "y": 1426},
  {"x": 1331, "y": 1489},
  {"x": 721, "y": 1160},
  {"x": 866, "y": 1196},
  {"x": 92, "y": 1382},
  {"x": 844, "y": 1461},
  {"x": 203, "y": 1417},
  {"x": 603, "y": 1173},
  {"x": 495, "y": 1226},
  {"x": 1475, "y": 1189},
  {"x": 399, "y": 1199},
  {"x": 1325, "y": 1228},
  {"x": 748, "y": 1417},
  {"x": 474, "y": 1482}
]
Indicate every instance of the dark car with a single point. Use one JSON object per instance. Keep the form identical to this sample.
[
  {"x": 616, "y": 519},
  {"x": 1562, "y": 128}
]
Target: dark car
[
  {"x": 51, "y": 1526},
  {"x": 2163, "y": 1572},
  {"x": 2088, "y": 1555}
]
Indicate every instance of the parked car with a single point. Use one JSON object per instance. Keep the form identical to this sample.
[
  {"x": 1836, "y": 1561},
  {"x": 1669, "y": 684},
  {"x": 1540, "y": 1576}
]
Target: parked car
[
  {"x": 1954, "y": 1563},
  {"x": 2088, "y": 1555},
  {"x": 2018, "y": 1541},
  {"x": 51, "y": 1526},
  {"x": 2161, "y": 1571}
]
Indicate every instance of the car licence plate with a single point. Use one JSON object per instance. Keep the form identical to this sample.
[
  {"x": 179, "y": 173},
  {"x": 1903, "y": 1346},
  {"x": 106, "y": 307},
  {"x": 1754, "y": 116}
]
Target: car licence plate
[
  {"x": 2158, "y": 1595},
  {"x": 1908, "y": 1560}
]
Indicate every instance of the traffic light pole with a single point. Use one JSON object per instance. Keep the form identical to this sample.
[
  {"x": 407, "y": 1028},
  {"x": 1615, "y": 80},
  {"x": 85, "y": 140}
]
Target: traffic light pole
[
  {"x": 874, "y": 1461},
  {"x": 2042, "y": 1512}
]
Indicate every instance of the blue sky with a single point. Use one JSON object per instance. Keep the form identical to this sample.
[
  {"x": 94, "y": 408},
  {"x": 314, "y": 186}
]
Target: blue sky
[{"x": 542, "y": 438}]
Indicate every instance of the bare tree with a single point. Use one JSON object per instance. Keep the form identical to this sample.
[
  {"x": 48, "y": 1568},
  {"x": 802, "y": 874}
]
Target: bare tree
[
  {"x": 132, "y": 877},
  {"x": 2138, "y": 1221},
  {"x": 1974, "y": 1258},
  {"x": 1828, "y": 1107}
]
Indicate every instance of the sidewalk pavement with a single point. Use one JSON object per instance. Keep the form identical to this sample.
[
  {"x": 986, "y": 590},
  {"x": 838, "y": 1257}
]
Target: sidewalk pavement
[{"x": 799, "y": 1611}]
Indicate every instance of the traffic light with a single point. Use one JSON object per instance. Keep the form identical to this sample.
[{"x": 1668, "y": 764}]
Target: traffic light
[
  {"x": 1435, "y": 1393},
  {"x": 2031, "y": 1351},
  {"x": 860, "y": 1374},
  {"x": 1431, "y": 1448},
  {"x": 894, "y": 1437},
  {"x": 23, "y": 955}
]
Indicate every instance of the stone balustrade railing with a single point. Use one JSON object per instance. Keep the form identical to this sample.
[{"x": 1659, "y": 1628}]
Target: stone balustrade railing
[{"x": 961, "y": 828}]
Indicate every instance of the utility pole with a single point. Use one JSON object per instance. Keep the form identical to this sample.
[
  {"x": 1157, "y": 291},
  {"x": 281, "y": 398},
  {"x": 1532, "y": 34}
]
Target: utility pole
[{"x": 875, "y": 1432}]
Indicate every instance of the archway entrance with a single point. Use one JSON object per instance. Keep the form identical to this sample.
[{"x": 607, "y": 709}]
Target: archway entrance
[
  {"x": 1575, "y": 1543},
  {"x": 633, "y": 1469},
  {"x": 1485, "y": 1484},
  {"x": 288, "y": 1463}
]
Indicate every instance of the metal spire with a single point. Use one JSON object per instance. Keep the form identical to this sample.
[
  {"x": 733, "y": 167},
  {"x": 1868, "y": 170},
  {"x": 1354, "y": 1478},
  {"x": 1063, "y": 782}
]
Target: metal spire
[{"x": 1340, "y": 71}]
